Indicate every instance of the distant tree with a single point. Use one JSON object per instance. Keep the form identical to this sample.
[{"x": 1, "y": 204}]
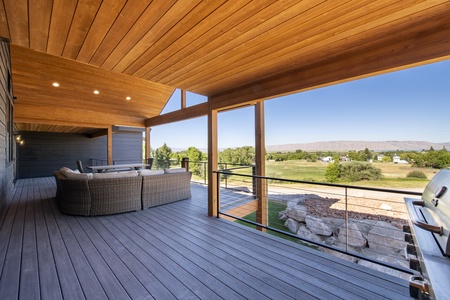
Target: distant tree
[
  {"x": 332, "y": 173},
  {"x": 195, "y": 156},
  {"x": 386, "y": 158},
  {"x": 240, "y": 156},
  {"x": 162, "y": 157},
  {"x": 367, "y": 154}
]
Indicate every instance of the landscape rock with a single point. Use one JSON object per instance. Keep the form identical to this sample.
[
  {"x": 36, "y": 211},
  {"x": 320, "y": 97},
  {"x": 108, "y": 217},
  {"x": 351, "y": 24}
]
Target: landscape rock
[
  {"x": 282, "y": 216},
  {"x": 317, "y": 226},
  {"x": 334, "y": 224},
  {"x": 386, "y": 238},
  {"x": 355, "y": 237},
  {"x": 304, "y": 232},
  {"x": 393, "y": 260},
  {"x": 296, "y": 212},
  {"x": 292, "y": 225}
]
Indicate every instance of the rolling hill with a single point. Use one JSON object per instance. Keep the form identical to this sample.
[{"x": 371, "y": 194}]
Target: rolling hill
[{"x": 377, "y": 146}]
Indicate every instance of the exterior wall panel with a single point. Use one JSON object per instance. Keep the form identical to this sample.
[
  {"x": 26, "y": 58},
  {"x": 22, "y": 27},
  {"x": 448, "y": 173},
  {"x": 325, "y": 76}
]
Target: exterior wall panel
[{"x": 45, "y": 152}]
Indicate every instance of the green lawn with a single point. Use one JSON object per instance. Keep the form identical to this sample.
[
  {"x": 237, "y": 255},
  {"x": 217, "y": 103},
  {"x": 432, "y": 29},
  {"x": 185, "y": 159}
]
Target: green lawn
[{"x": 274, "y": 222}]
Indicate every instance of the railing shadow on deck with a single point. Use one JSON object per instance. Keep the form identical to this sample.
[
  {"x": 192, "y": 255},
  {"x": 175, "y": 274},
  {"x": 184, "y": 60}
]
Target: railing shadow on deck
[{"x": 360, "y": 224}]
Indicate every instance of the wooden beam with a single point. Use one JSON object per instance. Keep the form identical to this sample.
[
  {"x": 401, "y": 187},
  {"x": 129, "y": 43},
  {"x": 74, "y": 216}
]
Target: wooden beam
[
  {"x": 260, "y": 162},
  {"x": 213, "y": 183},
  {"x": 191, "y": 112},
  {"x": 426, "y": 47}
]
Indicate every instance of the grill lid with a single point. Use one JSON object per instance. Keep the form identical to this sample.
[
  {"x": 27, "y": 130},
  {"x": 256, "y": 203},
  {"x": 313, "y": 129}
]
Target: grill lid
[{"x": 436, "y": 208}]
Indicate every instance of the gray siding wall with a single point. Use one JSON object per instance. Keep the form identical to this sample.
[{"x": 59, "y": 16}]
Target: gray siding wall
[
  {"x": 45, "y": 152},
  {"x": 6, "y": 166}
]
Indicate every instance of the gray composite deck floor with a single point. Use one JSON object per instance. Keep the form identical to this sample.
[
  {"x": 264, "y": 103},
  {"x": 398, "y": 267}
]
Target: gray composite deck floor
[{"x": 173, "y": 251}]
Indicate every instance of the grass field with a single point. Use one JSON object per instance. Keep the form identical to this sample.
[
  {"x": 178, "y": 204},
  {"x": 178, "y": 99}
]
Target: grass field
[{"x": 394, "y": 174}]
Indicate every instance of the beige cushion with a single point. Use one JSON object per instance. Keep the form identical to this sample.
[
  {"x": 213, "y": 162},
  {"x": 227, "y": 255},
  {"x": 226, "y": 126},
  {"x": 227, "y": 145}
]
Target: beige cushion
[
  {"x": 68, "y": 170},
  {"x": 74, "y": 175},
  {"x": 145, "y": 172},
  {"x": 115, "y": 175},
  {"x": 174, "y": 170}
]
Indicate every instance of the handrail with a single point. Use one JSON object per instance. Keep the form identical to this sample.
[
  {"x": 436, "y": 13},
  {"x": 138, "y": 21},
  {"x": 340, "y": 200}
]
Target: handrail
[
  {"x": 324, "y": 184},
  {"x": 346, "y": 187}
]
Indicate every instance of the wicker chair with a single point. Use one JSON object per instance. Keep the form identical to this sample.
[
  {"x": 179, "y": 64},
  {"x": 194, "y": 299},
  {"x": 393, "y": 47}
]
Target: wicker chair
[{"x": 165, "y": 188}]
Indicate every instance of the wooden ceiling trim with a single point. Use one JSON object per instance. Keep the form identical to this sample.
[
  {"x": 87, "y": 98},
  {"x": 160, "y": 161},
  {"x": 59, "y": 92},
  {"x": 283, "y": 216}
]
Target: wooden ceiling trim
[
  {"x": 154, "y": 12},
  {"x": 4, "y": 27},
  {"x": 287, "y": 46},
  {"x": 17, "y": 15},
  {"x": 81, "y": 23},
  {"x": 105, "y": 18},
  {"x": 356, "y": 39},
  {"x": 39, "y": 14},
  {"x": 62, "y": 15},
  {"x": 430, "y": 46},
  {"x": 186, "y": 28},
  {"x": 209, "y": 29},
  {"x": 21, "y": 127},
  {"x": 125, "y": 20},
  {"x": 36, "y": 123},
  {"x": 249, "y": 27},
  {"x": 25, "y": 113},
  {"x": 36, "y": 64},
  {"x": 56, "y": 100},
  {"x": 176, "y": 13}
]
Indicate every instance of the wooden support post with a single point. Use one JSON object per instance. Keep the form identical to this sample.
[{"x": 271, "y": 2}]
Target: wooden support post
[
  {"x": 185, "y": 163},
  {"x": 213, "y": 184},
  {"x": 110, "y": 145},
  {"x": 147, "y": 143},
  {"x": 183, "y": 99},
  {"x": 260, "y": 161}
]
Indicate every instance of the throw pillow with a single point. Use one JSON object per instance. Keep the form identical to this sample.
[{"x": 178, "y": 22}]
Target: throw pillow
[
  {"x": 174, "y": 170},
  {"x": 115, "y": 175},
  {"x": 145, "y": 172},
  {"x": 73, "y": 175}
]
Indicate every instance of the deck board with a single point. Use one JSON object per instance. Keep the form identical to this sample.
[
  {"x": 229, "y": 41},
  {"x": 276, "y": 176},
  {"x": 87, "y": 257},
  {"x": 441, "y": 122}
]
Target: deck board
[{"x": 173, "y": 251}]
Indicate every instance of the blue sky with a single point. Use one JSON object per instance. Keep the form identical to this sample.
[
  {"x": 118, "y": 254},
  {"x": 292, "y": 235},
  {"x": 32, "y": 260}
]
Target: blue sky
[{"x": 412, "y": 104}]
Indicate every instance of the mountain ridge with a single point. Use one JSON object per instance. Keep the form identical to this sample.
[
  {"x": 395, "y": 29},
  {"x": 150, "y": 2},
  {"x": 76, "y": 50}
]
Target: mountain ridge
[{"x": 377, "y": 146}]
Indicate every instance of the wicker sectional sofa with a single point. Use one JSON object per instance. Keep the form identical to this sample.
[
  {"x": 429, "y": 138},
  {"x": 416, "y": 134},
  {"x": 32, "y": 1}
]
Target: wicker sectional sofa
[{"x": 87, "y": 196}]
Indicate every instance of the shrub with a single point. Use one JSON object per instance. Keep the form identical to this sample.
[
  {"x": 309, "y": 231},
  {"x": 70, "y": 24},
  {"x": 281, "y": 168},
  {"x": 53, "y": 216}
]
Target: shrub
[
  {"x": 358, "y": 171},
  {"x": 416, "y": 174},
  {"x": 333, "y": 172}
]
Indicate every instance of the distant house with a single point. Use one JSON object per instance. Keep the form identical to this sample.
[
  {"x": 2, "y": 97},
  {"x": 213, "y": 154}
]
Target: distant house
[
  {"x": 380, "y": 157},
  {"x": 396, "y": 159},
  {"x": 327, "y": 159}
]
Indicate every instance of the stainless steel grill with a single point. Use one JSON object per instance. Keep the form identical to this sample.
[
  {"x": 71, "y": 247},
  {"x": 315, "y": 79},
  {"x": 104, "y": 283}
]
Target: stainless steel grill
[{"x": 428, "y": 240}]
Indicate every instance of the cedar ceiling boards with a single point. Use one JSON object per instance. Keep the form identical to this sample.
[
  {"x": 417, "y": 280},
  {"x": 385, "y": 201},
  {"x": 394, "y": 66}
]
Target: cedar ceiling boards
[{"x": 234, "y": 52}]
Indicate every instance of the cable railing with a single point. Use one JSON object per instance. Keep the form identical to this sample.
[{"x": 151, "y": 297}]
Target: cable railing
[{"x": 360, "y": 224}]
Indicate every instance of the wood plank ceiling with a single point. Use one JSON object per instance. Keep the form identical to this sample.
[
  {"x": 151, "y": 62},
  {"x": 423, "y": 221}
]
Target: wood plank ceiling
[{"x": 244, "y": 50}]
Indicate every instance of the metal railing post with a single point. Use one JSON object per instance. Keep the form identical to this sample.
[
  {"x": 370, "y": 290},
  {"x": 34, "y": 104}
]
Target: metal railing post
[
  {"x": 346, "y": 221},
  {"x": 218, "y": 195}
]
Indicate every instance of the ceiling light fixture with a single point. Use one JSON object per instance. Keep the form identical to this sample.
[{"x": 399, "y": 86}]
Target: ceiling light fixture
[
  {"x": 55, "y": 84},
  {"x": 96, "y": 92},
  {"x": 128, "y": 98}
]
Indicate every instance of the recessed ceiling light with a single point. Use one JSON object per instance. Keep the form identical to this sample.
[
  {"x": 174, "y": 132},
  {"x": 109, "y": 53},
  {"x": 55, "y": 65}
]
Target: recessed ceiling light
[
  {"x": 128, "y": 98},
  {"x": 55, "y": 84},
  {"x": 96, "y": 92}
]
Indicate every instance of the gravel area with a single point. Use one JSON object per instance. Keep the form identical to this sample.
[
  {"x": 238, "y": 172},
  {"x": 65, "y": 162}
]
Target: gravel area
[{"x": 361, "y": 205}]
